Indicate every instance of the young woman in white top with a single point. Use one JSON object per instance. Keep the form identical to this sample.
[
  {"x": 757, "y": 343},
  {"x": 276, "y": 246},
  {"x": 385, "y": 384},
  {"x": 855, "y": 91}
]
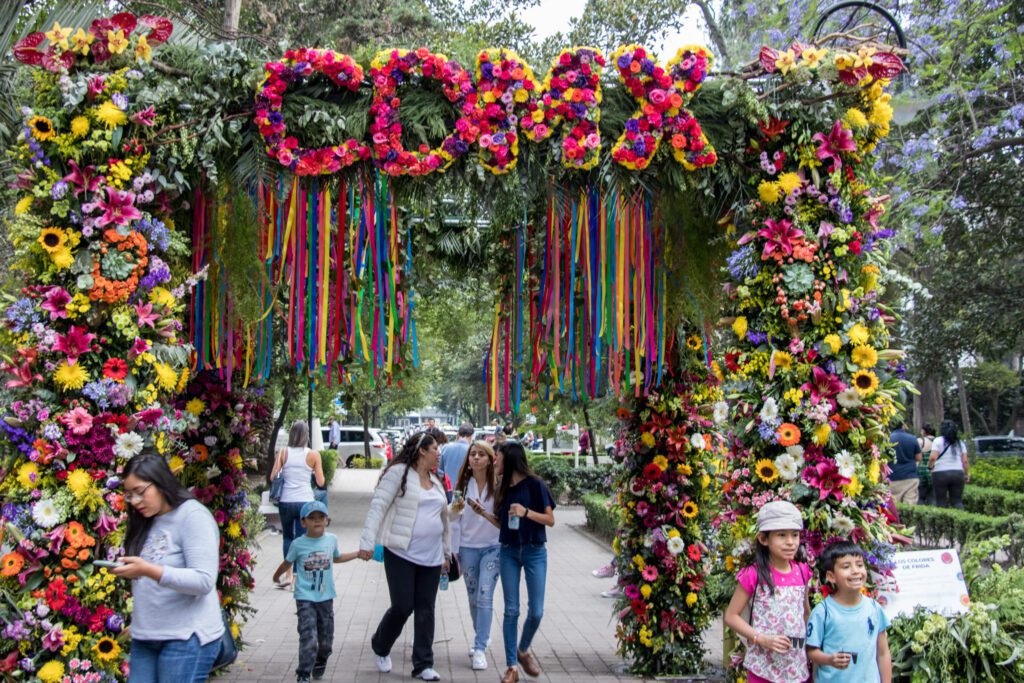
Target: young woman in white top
[
  {"x": 476, "y": 528},
  {"x": 950, "y": 470},
  {"x": 300, "y": 465},
  {"x": 408, "y": 515}
]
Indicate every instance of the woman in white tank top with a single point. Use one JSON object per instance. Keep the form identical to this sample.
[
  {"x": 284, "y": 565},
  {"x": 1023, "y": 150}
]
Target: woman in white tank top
[{"x": 299, "y": 465}]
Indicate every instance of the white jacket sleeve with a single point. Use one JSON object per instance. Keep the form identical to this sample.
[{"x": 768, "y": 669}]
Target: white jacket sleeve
[{"x": 383, "y": 496}]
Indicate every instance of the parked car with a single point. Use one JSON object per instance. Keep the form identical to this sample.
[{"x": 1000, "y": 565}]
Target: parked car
[
  {"x": 998, "y": 446},
  {"x": 351, "y": 445}
]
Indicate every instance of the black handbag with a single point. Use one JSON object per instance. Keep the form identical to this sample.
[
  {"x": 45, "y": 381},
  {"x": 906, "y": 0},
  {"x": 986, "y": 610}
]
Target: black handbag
[
  {"x": 228, "y": 652},
  {"x": 454, "y": 569}
]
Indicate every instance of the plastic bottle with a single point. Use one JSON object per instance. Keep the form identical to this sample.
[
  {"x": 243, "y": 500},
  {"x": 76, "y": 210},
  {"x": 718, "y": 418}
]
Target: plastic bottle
[{"x": 444, "y": 580}]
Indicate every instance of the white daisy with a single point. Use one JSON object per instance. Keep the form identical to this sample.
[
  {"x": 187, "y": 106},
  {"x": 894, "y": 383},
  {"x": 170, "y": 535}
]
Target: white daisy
[
  {"x": 676, "y": 545},
  {"x": 46, "y": 513},
  {"x": 697, "y": 441},
  {"x": 846, "y": 463},
  {"x": 128, "y": 445},
  {"x": 787, "y": 467},
  {"x": 770, "y": 410},
  {"x": 849, "y": 398},
  {"x": 842, "y": 525},
  {"x": 721, "y": 413}
]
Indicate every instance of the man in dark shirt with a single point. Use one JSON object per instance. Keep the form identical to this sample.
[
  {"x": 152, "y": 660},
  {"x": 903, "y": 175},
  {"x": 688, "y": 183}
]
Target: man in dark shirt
[{"x": 904, "y": 469}]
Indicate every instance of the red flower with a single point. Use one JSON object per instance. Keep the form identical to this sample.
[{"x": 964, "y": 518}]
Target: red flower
[
  {"x": 652, "y": 472},
  {"x": 694, "y": 552},
  {"x": 115, "y": 369}
]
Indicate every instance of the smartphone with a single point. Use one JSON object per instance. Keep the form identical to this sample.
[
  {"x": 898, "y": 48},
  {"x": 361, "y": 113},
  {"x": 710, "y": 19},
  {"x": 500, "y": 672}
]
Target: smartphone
[{"x": 107, "y": 563}]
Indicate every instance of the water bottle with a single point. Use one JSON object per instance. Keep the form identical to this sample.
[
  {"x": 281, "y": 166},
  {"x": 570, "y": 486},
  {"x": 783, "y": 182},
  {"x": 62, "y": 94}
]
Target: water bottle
[
  {"x": 444, "y": 580},
  {"x": 513, "y": 522}
]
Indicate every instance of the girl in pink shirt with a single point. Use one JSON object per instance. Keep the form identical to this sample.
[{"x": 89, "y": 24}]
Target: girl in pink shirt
[{"x": 775, "y": 587}]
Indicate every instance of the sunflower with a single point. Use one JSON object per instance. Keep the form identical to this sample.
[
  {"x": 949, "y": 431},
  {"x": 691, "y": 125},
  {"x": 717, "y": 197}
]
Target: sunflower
[
  {"x": 107, "y": 649},
  {"x": 864, "y": 356},
  {"x": 690, "y": 509},
  {"x": 11, "y": 564},
  {"x": 783, "y": 360},
  {"x": 865, "y": 382},
  {"x": 52, "y": 239},
  {"x": 789, "y": 434},
  {"x": 71, "y": 376},
  {"x": 693, "y": 342},
  {"x": 766, "y": 470},
  {"x": 42, "y": 128}
]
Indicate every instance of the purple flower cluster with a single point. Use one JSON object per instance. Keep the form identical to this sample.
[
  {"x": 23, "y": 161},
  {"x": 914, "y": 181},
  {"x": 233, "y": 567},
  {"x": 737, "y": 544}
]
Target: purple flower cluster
[
  {"x": 742, "y": 263},
  {"x": 22, "y": 315}
]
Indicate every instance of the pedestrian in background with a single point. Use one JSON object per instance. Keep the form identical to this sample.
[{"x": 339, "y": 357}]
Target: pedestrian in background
[
  {"x": 949, "y": 466},
  {"x": 903, "y": 478},
  {"x": 301, "y": 466}
]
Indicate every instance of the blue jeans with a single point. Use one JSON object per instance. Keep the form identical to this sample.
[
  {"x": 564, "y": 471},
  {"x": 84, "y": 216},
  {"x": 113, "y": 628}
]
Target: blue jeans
[
  {"x": 531, "y": 560},
  {"x": 480, "y": 570},
  {"x": 171, "y": 661},
  {"x": 291, "y": 523}
]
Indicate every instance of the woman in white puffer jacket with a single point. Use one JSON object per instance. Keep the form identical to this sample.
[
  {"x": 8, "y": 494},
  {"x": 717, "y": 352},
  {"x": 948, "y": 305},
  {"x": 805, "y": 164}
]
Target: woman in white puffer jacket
[{"x": 408, "y": 515}]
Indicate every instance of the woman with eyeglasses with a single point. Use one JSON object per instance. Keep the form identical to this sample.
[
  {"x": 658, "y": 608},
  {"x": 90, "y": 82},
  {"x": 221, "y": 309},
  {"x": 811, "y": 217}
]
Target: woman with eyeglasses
[
  {"x": 524, "y": 508},
  {"x": 171, "y": 556},
  {"x": 408, "y": 515}
]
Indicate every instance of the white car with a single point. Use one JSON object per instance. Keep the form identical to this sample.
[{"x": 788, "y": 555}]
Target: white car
[{"x": 351, "y": 444}]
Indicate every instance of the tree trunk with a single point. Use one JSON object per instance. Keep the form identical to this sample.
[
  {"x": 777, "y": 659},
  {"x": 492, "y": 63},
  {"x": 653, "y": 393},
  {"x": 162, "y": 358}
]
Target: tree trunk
[
  {"x": 287, "y": 393},
  {"x": 928, "y": 407},
  {"x": 961, "y": 390},
  {"x": 714, "y": 31},
  {"x": 232, "y": 12},
  {"x": 365, "y": 413}
]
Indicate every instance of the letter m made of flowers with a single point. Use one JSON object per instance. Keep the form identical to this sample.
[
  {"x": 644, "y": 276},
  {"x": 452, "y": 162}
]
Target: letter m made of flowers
[{"x": 662, "y": 93}]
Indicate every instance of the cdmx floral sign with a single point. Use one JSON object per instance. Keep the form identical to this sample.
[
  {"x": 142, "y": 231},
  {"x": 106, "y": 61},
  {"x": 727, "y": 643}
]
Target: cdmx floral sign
[{"x": 497, "y": 103}]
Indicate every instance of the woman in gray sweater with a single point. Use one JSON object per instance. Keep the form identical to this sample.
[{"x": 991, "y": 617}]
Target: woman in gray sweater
[{"x": 171, "y": 556}]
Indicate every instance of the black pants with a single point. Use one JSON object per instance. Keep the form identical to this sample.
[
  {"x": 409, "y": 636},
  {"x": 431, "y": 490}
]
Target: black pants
[
  {"x": 316, "y": 633},
  {"x": 949, "y": 484},
  {"x": 413, "y": 589}
]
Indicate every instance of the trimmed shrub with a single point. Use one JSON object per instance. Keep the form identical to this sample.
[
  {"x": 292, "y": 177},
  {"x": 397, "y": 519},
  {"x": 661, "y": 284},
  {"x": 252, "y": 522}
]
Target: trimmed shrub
[
  {"x": 937, "y": 526},
  {"x": 600, "y": 519},
  {"x": 572, "y": 482},
  {"x": 997, "y": 474},
  {"x": 995, "y": 502},
  {"x": 329, "y": 460},
  {"x": 361, "y": 464}
]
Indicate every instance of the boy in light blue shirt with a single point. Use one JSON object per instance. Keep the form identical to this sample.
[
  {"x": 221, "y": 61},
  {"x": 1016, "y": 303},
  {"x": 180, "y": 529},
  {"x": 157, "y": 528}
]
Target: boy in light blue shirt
[
  {"x": 313, "y": 556},
  {"x": 846, "y": 636}
]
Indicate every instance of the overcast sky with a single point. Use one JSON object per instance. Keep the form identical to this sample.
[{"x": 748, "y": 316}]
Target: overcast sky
[{"x": 551, "y": 16}]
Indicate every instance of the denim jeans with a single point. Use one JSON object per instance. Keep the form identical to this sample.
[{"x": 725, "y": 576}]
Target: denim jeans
[
  {"x": 316, "y": 633},
  {"x": 171, "y": 661},
  {"x": 531, "y": 560},
  {"x": 480, "y": 571},
  {"x": 291, "y": 523}
]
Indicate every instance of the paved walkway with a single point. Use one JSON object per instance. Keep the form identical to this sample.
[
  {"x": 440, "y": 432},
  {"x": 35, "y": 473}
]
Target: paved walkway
[{"x": 576, "y": 642}]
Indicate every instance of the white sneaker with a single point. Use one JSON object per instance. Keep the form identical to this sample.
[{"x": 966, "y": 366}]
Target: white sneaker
[
  {"x": 383, "y": 663},
  {"x": 479, "y": 660},
  {"x": 429, "y": 674}
]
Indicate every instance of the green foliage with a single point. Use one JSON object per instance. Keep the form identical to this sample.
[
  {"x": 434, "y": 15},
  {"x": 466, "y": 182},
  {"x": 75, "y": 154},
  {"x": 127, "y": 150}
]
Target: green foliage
[
  {"x": 329, "y": 460},
  {"x": 362, "y": 464},
  {"x": 983, "y": 644},
  {"x": 992, "y": 501},
  {"x": 573, "y": 482},
  {"x": 600, "y": 518},
  {"x": 939, "y": 526},
  {"x": 997, "y": 474}
]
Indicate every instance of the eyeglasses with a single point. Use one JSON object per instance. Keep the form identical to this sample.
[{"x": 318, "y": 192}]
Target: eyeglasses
[{"x": 133, "y": 496}]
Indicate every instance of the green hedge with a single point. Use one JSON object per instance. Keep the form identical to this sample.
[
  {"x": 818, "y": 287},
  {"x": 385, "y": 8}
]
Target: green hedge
[
  {"x": 329, "y": 460},
  {"x": 600, "y": 519},
  {"x": 937, "y": 526},
  {"x": 574, "y": 482},
  {"x": 992, "y": 501},
  {"x": 360, "y": 464},
  {"x": 997, "y": 474}
]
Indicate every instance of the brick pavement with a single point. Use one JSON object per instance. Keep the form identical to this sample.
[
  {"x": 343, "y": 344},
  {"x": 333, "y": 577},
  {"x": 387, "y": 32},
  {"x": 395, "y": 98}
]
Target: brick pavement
[{"x": 575, "y": 644}]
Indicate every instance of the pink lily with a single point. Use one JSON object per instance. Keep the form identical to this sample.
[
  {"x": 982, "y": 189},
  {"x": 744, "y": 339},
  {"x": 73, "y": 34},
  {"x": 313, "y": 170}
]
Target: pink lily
[
  {"x": 146, "y": 315},
  {"x": 75, "y": 343},
  {"x": 55, "y": 302},
  {"x": 839, "y": 140},
  {"x": 146, "y": 117},
  {"x": 823, "y": 386},
  {"x": 825, "y": 477},
  {"x": 780, "y": 238},
  {"x": 139, "y": 347},
  {"x": 119, "y": 208},
  {"x": 84, "y": 180}
]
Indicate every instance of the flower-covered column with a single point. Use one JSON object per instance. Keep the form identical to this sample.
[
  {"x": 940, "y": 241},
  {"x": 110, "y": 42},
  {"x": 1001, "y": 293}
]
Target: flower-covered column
[
  {"x": 665, "y": 495},
  {"x": 813, "y": 382},
  {"x": 92, "y": 346}
]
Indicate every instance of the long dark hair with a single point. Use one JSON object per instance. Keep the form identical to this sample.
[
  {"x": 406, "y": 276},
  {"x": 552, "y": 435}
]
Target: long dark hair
[
  {"x": 409, "y": 455},
  {"x": 763, "y": 562},
  {"x": 465, "y": 472},
  {"x": 951, "y": 436},
  {"x": 153, "y": 469},
  {"x": 513, "y": 460},
  {"x": 298, "y": 436}
]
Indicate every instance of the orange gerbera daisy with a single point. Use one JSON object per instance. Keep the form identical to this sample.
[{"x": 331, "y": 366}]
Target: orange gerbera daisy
[
  {"x": 789, "y": 434},
  {"x": 11, "y": 564},
  {"x": 201, "y": 451}
]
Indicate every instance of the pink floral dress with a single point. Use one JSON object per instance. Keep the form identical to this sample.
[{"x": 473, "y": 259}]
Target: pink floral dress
[{"x": 781, "y": 613}]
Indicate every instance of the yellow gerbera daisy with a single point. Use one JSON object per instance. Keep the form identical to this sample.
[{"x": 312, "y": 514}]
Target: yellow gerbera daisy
[
  {"x": 766, "y": 470},
  {"x": 859, "y": 334},
  {"x": 865, "y": 382},
  {"x": 42, "y": 128},
  {"x": 783, "y": 360},
  {"x": 111, "y": 115},
  {"x": 70, "y": 377},
  {"x": 864, "y": 356}
]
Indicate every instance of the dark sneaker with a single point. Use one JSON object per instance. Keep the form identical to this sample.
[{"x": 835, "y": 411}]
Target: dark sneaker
[
  {"x": 319, "y": 668},
  {"x": 302, "y": 679}
]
